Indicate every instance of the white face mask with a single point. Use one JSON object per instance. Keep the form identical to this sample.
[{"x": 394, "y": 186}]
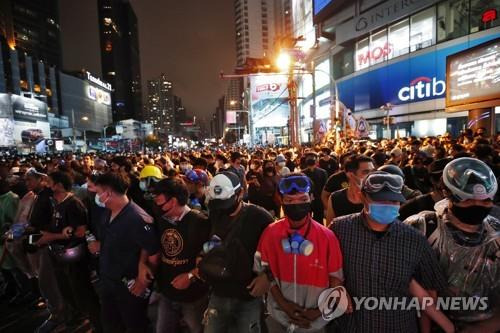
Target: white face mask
[
  {"x": 98, "y": 201},
  {"x": 281, "y": 164}
]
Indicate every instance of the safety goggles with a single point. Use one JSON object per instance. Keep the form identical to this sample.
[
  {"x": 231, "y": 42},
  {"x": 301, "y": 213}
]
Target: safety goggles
[
  {"x": 295, "y": 183},
  {"x": 375, "y": 182}
]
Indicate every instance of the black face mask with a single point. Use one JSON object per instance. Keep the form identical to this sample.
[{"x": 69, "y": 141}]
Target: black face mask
[
  {"x": 225, "y": 211},
  {"x": 269, "y": 170},
  {"x": 472, "y": 215},
  {"x": 297, "y": 212},
  {"x": 311, "y": 162}
]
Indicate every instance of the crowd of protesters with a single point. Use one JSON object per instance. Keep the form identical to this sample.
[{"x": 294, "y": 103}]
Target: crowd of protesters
[{"x": 248, "y": 240}]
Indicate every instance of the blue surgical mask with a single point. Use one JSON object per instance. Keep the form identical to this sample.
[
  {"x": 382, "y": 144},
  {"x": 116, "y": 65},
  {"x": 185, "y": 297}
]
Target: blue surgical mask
[{"x": 383, "y": 213}]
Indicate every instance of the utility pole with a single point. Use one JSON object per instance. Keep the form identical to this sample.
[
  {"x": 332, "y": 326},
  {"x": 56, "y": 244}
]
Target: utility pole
[
  {"x": 292, "y": 99},
  {"x": 74, "y": 129}
]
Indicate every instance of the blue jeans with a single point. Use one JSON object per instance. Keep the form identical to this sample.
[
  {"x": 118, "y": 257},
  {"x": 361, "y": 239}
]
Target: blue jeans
[
  {"x": 228, "y": 315},
  {"x": 170, "y": 312}
]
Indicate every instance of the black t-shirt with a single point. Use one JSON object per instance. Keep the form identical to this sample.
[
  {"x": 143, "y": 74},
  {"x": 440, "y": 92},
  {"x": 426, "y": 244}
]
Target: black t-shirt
[
  {"x": 331, "y": 166},
  {"x": 318, "y": 177},
  {"x": 69, "y": 213},
  {"x": 416, "y": 205},
  {"x": 122, "y": 241},
  {"x": 41, "y": 212},
  {"x": 290, "y": 165},
  {"x": 181, "y": 243},
  {"x": 95, "y": 214},
  {"x": 336, "y": 182},
  {"x": 255, "y": 220},
  {"x": 341, "y": 204}
]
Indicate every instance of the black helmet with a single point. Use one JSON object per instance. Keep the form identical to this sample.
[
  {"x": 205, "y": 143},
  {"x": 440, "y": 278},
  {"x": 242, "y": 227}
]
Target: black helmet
[{"x": 392, "y": 169}]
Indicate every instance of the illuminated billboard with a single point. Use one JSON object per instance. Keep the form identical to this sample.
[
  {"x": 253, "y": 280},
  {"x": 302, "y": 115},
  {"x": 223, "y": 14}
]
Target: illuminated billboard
[
  {"x": 473, "y": 76},
  {"x": 269, "y": 98},
  {"x": 98, "y": 95},
  {"x": 28, "y": 109}
]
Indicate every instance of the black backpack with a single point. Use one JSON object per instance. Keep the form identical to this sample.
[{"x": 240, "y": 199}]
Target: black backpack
[{"x": 228, "y": 261}]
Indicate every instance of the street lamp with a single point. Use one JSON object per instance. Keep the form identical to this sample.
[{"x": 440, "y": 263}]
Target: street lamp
[
  {"x": 85, "y": 133},
  {"x": 283, "y": 62}
]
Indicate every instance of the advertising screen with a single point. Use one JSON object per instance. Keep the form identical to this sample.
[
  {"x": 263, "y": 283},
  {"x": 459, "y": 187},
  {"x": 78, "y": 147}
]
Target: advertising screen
[
  {"x": 474, "y": 75},
  {"x": 414, "y": 79},
  {"x": 6, "y": 132},
  {"x": 269, "y": 100},
  {"x": 31, "y": 133},
  {"x": 28, "y": 109},
  {"x": 98, "y": 95}
]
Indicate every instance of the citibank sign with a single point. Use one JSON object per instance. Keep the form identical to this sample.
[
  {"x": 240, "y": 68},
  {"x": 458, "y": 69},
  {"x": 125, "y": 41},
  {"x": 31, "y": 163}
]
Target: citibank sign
[{"x": 422, "y": 87}]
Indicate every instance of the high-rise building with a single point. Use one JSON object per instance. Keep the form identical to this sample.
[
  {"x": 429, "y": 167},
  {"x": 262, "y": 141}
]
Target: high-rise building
[
  {"x": 30, "y": 53},
  {"x": 32, "y": 27},
  {"x": 120, "y": 57},
  {"x": 217, "y": 120},
  {"x": 161, "y": 106},
  {"x": 255, "y": 29}
]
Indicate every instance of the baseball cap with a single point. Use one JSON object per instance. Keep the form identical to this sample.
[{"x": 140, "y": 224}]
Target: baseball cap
[
  {"x": 280, "y": 158},
  {"x": 383, "y": 186},
  {"x": 223, "y": 187}
]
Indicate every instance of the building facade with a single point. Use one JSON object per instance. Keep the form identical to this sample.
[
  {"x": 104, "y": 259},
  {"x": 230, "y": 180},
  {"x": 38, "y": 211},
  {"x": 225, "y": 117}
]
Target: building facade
[
  {"x": 120, "y": 57},
  {"x": 30, "y": 54},
  {"x": 161, "y": 106},
  {"x": 88, "y": 98},
  {"x": 390, "y": 53}
]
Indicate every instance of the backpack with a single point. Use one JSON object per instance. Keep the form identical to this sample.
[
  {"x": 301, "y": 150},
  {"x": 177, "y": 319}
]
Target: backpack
[{"x": 229, "y": 261}]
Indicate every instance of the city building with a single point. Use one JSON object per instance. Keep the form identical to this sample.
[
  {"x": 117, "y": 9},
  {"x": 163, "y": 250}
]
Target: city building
[
  {"x": 32, "y": 27},
  {"x": 120, "y": 57},
  {"x": 161, "y": 106},
  {"x": 29, "y": 59},
  {"x": 88, "y": 99},
  {"x": 180, "y": 114},
  {"x": 387, "y": 58},
  {"x": 218, "y": 119},
  {"x": 255, "y": 29}
]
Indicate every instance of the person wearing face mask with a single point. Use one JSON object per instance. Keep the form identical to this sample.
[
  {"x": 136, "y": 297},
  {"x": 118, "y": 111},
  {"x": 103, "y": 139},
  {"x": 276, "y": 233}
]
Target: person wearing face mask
[
  {"x": 318, "y": 177},
  {"x": 267, "y": 190},
  {"x": 235, "y": 302},
  {"x": 184, "y": 165},
  {"x": 281, "y": 168},
  {"x": 466, "y": 239},
  {"x": 298, "y": 244},
  {"x": 65, "y": 237},
  {"x": 128, "y": 256},
  {"x": 426, "y": 202},
  {"x": 326, "y": 162},
  {"x": 254, "y": 178},
  {"x": 182, "y": 233},
  {"x": 381, "y": 257},
  {"x": 416, "y": 174},
  {"x": 197, "y": 181},
  {"x": 348, "y": 201}
]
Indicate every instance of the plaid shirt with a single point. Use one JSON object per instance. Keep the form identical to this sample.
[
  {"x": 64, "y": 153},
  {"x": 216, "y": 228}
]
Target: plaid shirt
[{"x": 383, "y": 266}]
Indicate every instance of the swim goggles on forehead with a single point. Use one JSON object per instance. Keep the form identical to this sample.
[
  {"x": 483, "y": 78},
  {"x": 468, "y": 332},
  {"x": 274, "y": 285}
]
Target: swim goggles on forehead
[
  {"x": 374, "y": 183},
  {"x": 298, "y": 183}
]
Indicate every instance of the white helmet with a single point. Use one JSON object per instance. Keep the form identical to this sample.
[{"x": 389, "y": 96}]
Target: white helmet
[{"x": 470, "y": 178}]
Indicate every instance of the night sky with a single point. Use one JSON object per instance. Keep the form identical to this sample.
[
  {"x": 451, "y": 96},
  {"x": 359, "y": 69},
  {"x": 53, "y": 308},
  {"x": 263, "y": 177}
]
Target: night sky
[{"x": 189, "y": 40}]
